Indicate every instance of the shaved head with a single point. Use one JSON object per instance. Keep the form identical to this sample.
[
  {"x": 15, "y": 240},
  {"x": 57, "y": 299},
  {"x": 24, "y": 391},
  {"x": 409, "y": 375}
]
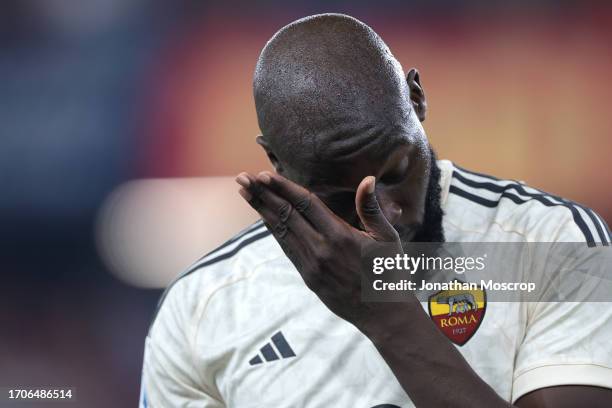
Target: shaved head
[
  {"x": 325, "y": 87},
  {"x": 334, "y": 107}
]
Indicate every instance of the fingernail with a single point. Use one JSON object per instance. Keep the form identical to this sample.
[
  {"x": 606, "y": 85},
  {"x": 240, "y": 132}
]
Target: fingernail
[
  {"x": 371, "y": 185},
  {"x": 264, "y": 177},
  {"x": 243, "y": 180},
  {"x": 245, "y": 194}
]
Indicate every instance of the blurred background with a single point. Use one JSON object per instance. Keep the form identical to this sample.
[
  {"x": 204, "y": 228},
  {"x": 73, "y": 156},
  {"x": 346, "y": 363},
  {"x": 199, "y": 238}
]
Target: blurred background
[{"x": 121, "y": 122}]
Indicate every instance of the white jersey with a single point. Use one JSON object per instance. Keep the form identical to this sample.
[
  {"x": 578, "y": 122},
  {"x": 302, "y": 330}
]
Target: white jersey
[{"x": 241, "y": 329}]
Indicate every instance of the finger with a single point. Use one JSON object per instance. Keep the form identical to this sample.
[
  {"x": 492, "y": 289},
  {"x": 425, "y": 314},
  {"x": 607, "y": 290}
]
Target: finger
[
  {"x": 282, "y": 231},
  {"x": 281, "y": 212},
  {"x": 305, "y": 202},
  {"x": 289, "y": 232},
  {"x": 275, "y": 210},
  {"x": 370, "y": 214}
]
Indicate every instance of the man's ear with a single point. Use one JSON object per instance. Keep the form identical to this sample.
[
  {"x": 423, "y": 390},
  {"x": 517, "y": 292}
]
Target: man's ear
[
  {"x": 417, "y": 95},
  {"x": 271, "y": 156}
]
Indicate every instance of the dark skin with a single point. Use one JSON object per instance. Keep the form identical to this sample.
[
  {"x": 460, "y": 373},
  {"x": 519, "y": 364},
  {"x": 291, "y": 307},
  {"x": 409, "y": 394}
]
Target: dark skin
[{"x": 372, "y": 190}]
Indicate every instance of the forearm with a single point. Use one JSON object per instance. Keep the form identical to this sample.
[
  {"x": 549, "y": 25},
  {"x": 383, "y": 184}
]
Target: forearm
[{"x": 429, "y": 368}]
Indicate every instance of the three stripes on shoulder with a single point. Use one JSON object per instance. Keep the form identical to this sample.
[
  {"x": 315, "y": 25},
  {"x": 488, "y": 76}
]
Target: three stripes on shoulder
[
  {"x": 471, "y": 186},
  {"x": 276, "y": 349}
]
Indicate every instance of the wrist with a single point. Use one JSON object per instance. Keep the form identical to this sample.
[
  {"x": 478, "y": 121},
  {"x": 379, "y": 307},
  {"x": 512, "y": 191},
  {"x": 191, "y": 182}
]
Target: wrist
[{"x": 390, "y": 321}]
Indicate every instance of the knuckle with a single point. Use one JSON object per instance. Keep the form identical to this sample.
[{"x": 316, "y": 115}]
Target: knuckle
[
  {"x": 284, "y": 212},
  {"x": 280, "y": 230},
  {"x": 303, "y": 204},
  {"x": 370, "y": 207}
]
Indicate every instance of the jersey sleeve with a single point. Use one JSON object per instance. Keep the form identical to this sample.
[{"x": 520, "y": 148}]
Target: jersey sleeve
[
  {"x": 568, "y": 342},
  {"x": 169, "y": 375}
]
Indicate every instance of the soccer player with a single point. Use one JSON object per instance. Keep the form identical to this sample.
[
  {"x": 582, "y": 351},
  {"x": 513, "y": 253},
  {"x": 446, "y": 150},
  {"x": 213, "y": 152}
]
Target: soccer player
[{"x": 274, "y": 317}]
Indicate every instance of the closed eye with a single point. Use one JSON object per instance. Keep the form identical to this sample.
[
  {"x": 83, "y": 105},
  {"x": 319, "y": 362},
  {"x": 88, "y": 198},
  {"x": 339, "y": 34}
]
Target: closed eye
[{"x": 397, "y": 174}]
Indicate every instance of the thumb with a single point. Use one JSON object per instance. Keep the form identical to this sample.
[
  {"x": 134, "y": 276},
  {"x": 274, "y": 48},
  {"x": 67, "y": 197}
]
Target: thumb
[{"x": 370, "y": 214}]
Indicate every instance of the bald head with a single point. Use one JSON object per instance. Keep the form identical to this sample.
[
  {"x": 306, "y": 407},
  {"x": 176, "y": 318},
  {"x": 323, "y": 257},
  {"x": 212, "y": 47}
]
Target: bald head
[
  {"x": 334, "y": 107},
  {"x": 325, "y": 87}
]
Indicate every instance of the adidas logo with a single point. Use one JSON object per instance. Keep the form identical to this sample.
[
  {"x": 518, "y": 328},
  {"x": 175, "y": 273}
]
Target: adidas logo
[{"x": 270, "y": 349}]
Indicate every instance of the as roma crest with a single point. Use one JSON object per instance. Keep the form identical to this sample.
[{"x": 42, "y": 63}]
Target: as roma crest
[{"x": 458, "y": 312}]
